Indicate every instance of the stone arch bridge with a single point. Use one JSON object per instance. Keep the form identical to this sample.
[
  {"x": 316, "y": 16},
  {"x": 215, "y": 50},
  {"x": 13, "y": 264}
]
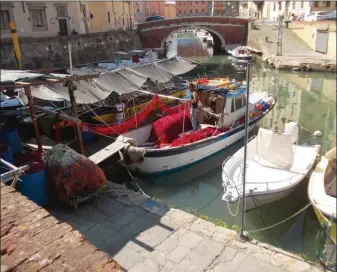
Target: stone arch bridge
[{"x": 224, "y": 30}]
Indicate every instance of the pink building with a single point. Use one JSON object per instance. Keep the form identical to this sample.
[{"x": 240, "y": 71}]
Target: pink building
[{"x": 144, "y": 9}]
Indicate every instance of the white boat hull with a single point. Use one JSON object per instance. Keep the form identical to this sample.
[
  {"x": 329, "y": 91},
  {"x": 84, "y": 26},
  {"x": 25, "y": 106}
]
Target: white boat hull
[
  {"x": 164, "y": 164},
  {"x": 264, "y": 184},
  {"x": 255, "y": 201}
]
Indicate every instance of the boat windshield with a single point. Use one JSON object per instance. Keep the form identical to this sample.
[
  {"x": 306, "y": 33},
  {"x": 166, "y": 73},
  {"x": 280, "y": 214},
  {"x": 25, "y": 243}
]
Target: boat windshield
[
  {"x": 330, "y": 179},
  {"x": 242, "y": 51}
]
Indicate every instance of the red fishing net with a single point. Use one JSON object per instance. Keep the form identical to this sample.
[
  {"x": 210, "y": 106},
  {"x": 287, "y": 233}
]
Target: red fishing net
[
  {"x": 72, "y": 177},
  {"x": 166, "y": 129}
]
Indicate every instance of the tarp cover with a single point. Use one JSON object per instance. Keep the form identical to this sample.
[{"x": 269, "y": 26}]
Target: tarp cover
[
  {"x": 10, "y": 76},
  {"x": 274, "y": 149},
  {"x": 124, "y": 80},
  {"x": 176, "y": 66}
]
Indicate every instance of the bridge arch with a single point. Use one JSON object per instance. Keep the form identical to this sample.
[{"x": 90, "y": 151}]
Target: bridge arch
[
  {"x": 218, "y": 39},
  {"x": 224, "y": 30}
]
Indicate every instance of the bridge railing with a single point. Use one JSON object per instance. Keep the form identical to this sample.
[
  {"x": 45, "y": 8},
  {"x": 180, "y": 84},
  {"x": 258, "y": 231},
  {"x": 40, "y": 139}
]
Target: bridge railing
[{"x": 194, "y": 19}]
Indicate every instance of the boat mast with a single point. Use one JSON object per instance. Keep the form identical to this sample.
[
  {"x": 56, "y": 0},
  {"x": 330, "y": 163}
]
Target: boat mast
[{"x": 242, "y": 235}]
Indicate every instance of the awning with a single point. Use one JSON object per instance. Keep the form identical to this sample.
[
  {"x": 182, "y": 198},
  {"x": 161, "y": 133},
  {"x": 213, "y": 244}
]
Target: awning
[
  {"x": 176, "y": 65},
  {"x": 11, "y": 76},
  {"x": 124, "y": 80}
]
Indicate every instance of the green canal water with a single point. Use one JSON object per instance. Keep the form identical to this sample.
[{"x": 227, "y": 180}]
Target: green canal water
[{"x": 307, "y": 98}]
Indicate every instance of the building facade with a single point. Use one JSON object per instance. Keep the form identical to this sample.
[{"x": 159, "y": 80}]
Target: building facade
[
  {"x": 272, "y": 10},
  {"x": 107, "y": 16},
  {"x": 45, "y": 19},
  {"x": 192, "y": 8},
  {"x": 170, "y": 10},
  {"x": 226, "y": 8}
]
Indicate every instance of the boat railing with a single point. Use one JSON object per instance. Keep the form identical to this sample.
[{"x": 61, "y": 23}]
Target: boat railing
[{"x": 14, "y": 173}]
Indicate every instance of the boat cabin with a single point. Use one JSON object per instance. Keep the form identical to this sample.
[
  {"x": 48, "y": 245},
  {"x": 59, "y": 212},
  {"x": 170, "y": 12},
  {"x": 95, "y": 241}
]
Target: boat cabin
[{"x": 229, "y": 104}]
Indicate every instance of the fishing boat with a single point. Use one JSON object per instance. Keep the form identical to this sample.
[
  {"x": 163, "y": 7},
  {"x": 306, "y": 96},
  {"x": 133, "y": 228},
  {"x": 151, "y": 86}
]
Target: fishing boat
[
  {"x": 170, "y": 144},
  {"x": 276, "y": 164},
  {"x": 241, "y": 52},
  {"x": 322, "y": 191}
]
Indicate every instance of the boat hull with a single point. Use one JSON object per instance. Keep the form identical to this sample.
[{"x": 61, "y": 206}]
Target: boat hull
[
  {"x": 322, "y": 219},
  {"x": 262, "y": 199},
  {"x": 324, "y": 205},
  {"x": 164, "y": 162},
  {"x": 242, "y": 57}
]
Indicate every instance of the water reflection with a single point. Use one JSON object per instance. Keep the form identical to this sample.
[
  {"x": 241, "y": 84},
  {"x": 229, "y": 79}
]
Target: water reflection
[{"x": 309, "y": 99}]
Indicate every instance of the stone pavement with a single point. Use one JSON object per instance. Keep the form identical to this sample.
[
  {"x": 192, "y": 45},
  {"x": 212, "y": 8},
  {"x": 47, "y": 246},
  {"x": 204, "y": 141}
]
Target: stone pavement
[
  {"x": 144, "y": 235},
  {"x": 295, "y": 52},
  {"x": 33, "y": 240}
]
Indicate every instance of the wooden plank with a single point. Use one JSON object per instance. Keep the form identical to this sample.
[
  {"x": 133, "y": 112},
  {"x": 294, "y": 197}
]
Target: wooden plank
[{"x": 107, "y": 152}]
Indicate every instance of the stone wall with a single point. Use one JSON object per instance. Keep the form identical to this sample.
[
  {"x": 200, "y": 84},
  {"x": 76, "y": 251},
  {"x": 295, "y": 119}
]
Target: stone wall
[
  {"x": 306, "y": 32},
  {"x": 52, "y": 52}
]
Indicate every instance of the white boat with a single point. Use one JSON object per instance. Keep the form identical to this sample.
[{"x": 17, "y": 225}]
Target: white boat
[
  {"x": 209, "y": 40},
  {"x": 230, "y": 108},
  {"x": 322, "y": 191},
  {"x": 276, "y": 164},
  {"x": 241, "y": 52}
]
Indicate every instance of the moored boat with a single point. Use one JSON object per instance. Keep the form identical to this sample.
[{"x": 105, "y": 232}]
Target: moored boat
[
  {"x": 322, "y": 191},
  {"x": 171, "y": 145},
  {"x": 241, "y": 52},
  {"x": 276, "y": 164}
]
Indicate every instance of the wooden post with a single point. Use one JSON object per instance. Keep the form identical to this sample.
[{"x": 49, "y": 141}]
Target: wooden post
[
  {"x": 33, "y": 116},
  {"x": 71, "y": 89}
]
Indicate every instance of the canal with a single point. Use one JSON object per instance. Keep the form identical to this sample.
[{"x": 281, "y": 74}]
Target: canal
[{"x": 307, "y": 98}]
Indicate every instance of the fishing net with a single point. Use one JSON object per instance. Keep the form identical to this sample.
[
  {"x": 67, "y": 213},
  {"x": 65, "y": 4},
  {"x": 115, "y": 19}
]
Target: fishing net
[
  {"x": 72, "y": 177},
  {"x": 166, "y": 129}
]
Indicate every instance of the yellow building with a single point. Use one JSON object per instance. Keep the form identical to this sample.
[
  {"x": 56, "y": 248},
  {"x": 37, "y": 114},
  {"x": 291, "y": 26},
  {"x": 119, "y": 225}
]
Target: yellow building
[
  {"x": 170, "y": 10},
  {"x": 107, "y": 16}
]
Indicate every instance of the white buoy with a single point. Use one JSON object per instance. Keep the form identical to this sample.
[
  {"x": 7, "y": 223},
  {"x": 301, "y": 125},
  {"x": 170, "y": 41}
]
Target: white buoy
[{"x": 317, "y": 133}]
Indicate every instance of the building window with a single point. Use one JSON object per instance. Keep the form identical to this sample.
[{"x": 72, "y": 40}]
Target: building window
[
  {"x": 274, "y": 6},
  {"x": 327, "y": 4},
  {"x": 196, "y": 11},
  {"x": 302, "y": 4},
  {"x": 196, "y": 2},
  {"x": 5, "y": 19},
  {"x": 190, "y": 11},
  {"x": 109, "y": 17},
  {"x": 294, "y": 5},
  {"x": 203, "y": 10},
  {"x": 38, "y": 19},
  {"x": 203, "y": 2}
]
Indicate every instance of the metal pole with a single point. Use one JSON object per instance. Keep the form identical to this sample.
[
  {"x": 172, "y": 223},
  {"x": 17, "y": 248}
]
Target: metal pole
[
  {"x": 242, "y": 235},
  {"x": 33, "y": 116},
  {"x": 70, "y": 59},
  {"x": 279, "y": 36},
  {"x": 71, "y": 89}
]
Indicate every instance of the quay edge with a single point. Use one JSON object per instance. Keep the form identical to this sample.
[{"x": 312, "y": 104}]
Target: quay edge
[{"x": 137, "y": 232}]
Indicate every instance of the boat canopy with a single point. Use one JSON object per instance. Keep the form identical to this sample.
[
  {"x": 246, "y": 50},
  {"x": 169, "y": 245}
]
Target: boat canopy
[
  {"x": 122, "y": 81},
  {"x": 274, "y": 149}
]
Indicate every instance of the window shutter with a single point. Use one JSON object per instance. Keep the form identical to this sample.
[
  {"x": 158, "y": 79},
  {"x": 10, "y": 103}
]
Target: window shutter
[{"x": 316, "y": 4}]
